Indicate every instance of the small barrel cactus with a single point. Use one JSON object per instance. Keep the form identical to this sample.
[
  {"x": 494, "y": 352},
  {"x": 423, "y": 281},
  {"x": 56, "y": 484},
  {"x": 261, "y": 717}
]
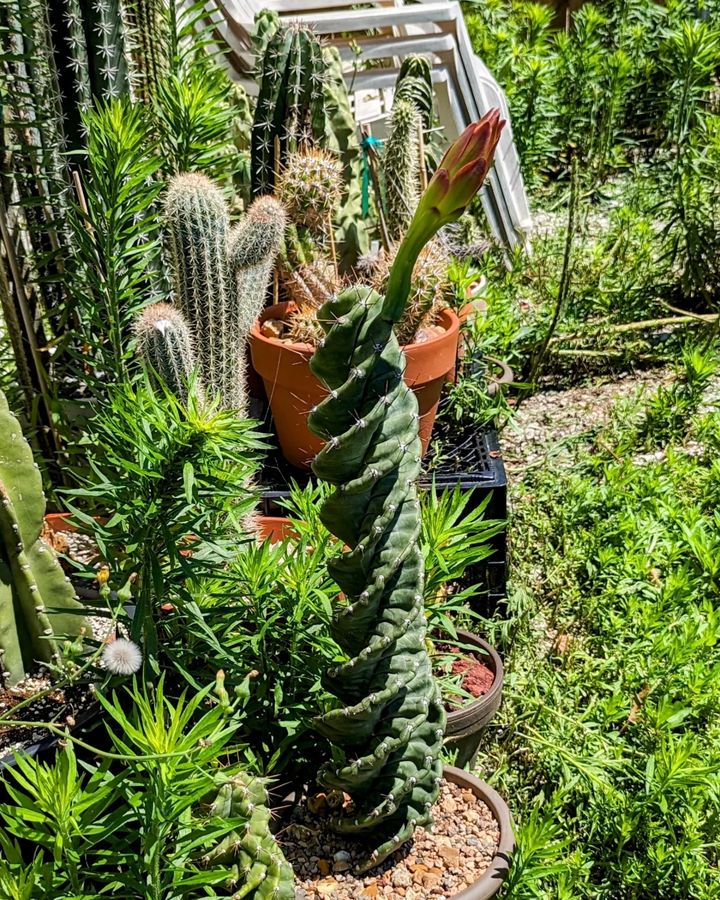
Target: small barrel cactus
[
  {"x": 261, "y": 870},
  {"x": 221, "y": 276},
  {"x": 310, "y": 187},
  {"x": 291, "y": 108},
  {"x": 165, "y": 345},
  {"x": 37, "y": 603},
  {"x": 390, "y": 725}
]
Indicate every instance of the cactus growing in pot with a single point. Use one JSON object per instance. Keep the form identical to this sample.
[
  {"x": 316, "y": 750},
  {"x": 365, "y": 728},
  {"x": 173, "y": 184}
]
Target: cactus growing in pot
[
  {"x": 390, "y": 727},
  {"x": 37, "y": 602}
]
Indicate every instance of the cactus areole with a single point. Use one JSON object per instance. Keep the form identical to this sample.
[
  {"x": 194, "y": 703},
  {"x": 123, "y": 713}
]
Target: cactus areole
[{"x": 389, "y": 729}]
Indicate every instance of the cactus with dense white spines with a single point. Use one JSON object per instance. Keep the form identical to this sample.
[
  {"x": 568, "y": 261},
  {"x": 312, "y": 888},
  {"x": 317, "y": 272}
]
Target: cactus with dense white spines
[
  {"x": 401, "y": 167},
  {"x": 221, "y": 276},
  {"x": 310, "y": 187},
  {"x": 261, "y": 870},
  {"x": 390, "y": 725},
  {"x": 165, "y": 345},
  {"x": 37, "y": 602}
]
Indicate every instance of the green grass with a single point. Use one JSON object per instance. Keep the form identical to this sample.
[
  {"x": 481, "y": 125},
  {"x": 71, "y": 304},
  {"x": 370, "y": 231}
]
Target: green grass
[{"x": 608, "y": 744}]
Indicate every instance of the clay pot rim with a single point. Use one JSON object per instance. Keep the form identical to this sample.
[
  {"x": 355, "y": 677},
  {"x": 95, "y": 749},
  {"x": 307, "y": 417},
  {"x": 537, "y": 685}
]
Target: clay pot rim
[
  {"x": 451, "y": 325},
  {"x": 495, "y": 664},
  {"x": 491, "y": 880}
]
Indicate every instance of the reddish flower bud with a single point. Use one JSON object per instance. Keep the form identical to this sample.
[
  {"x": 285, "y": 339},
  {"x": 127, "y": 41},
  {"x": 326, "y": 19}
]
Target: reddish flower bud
[
  {"x": 458, "y": 178},
  {"x": 462, "y": 169}
]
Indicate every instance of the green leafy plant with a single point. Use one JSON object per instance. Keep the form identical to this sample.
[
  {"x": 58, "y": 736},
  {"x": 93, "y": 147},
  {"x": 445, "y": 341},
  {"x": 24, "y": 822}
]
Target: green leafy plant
[{"x": 183, "y": 506}]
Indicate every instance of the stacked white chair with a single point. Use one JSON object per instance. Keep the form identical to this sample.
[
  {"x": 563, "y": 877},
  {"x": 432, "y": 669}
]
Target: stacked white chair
[{"x": 390, "y": 31}]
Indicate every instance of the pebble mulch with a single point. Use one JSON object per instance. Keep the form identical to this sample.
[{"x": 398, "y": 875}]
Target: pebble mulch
[{"x": 438, "y": 864}]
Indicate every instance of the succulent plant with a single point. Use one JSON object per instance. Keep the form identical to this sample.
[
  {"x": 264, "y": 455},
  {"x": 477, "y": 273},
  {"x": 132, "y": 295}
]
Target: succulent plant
[
  {"x": 290, "y": 113},
  {"x": 390, "y": 724},
  {"x": 310, "y": 187},
  {"x": 221, "y": 276},
  {"x": 37, "y": 603},
  {"x": 401, "y": 167},
  {"x": 414, "y": 84},
  {"x": 261, "y": 870},
  {"x": 165, "y": 345}
]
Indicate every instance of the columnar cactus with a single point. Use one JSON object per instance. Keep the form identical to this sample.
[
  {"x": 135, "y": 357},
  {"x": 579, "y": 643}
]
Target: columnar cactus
[
  {"x": 401, "y": 167},
  {"x": 221, "y": 276},
  {"x": 391, "y": 723},
  {"x": 37, "y": 603},
  {"x": 261, "y": 870},
  {"x": 291, "y": 108},
  {"x": 165, "y": 345}
]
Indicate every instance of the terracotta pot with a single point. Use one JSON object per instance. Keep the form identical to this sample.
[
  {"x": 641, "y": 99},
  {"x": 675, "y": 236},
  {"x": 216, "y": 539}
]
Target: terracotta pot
[
  {"x": 293, "y": 390},
  {"x": 491, "y": 881},
  {"x": 275, "y": 528},
  {"x": 464, "y": 726},
  {"x": 272, "y": 528}
]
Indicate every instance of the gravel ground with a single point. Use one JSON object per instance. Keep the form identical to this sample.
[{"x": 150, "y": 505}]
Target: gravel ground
[
  {"x": 546, "y": 423},
  {"x": 438, "y": 864}
]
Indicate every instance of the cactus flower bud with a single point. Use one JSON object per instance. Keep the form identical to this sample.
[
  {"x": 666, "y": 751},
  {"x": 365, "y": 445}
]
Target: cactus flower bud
[{"x": 458, "y": 178}]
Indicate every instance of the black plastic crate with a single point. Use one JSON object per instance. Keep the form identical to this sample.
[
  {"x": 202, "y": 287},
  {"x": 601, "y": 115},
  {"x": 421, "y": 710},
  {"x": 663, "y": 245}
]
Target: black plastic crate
[{"x": 468, "y": 458}]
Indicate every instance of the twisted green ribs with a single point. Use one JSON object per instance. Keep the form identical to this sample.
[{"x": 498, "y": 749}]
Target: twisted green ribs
[{"x": 392, "y": 722}]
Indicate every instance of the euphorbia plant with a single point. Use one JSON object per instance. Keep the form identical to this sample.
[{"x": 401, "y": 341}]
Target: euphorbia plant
[{"x": 390, "y": 728}]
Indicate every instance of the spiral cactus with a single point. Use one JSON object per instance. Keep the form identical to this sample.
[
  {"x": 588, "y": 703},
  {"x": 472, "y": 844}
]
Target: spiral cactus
[
  {"x": 414, "y": 84},
  {"x": 165, "y": 346},
  {"x": 37, "y": 602},
  {"x": 221, "y": 276},
  {"x": 310, "y": 187},
  {"x": 391, "y": 723},
  {"x": 261, "y": 871},
  {"x": 401, "y": 162},
  {"x": 291, "y": 108}
]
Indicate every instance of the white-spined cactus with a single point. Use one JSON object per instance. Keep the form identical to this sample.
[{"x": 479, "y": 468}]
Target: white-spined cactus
[{"x": 221, "y": 276}]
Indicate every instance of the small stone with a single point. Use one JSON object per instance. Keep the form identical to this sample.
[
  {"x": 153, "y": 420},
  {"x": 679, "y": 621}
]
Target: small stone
[
  {"x": 341, "y": 866},
  {"x": 273, "y": 328},
  {"x": 370, "y": 891},
  {"x": 401, "y": 878},
  {"x": 328, "y": 887},
  {"x": 323, "y": 866},
  {"x": 450, "y": 856},
  {"x": 342, "y": 856}
]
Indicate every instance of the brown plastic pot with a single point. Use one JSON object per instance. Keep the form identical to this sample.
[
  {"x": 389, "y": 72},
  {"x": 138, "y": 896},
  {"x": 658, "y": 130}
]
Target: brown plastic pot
[
  {"x": 464, "y": 726},
  {"x": 492, "y": 879},
  {"x": 293, "y": 390}
]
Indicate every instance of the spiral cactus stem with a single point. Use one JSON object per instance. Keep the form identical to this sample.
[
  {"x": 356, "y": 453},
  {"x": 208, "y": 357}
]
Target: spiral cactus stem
[{"x": 390, "y": 722}]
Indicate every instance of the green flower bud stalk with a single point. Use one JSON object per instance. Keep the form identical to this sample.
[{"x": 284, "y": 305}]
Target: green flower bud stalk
[
  {"x": 38, "y": 606},
  {"x": 165, "y": 346},
  {"x": 390, "y": 725}
]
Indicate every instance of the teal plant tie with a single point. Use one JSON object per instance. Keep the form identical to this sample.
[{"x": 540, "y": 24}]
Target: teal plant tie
[{"x": 368, "y": 142}]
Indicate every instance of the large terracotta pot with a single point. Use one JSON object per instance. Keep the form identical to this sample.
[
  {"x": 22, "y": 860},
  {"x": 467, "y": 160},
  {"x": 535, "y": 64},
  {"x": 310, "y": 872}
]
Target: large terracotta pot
[{"x": 293, "y": 390}]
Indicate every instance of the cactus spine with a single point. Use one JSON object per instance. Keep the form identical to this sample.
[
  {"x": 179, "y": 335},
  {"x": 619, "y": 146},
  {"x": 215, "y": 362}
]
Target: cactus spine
[
  {"x": 401, "y": 159},
  {"x": 220, "y": 276},
  {"x": 291, "y": 109},
  {"x": 390, "y": 725},
  {"x": 262, "y": 872},
  {"x": 37, "y": 603},
  {"x": 165, "y": 345}
]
